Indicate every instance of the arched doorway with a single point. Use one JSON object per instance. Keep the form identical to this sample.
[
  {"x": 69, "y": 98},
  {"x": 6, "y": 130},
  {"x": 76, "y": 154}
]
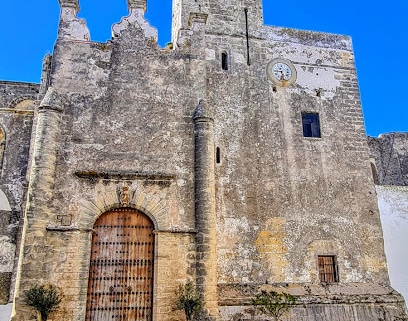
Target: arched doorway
[{"x": 120, "y": 283}]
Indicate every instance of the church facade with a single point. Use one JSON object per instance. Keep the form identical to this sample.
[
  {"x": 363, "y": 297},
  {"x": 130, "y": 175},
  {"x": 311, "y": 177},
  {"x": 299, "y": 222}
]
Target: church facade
[{"x": 235, "y": 159}]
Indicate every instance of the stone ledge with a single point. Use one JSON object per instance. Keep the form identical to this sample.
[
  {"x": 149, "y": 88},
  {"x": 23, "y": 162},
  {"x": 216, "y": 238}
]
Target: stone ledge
[
  {"x": 74, "y": 228},
  {"x": 17, "y": 111},
  {"x": 307, "y": 38},
  {"x": 127, "y": 176},
  {"x": 62, "y": 228},
  {"x": 176, "y": 231},
  {"x": 241, "y": 294}
]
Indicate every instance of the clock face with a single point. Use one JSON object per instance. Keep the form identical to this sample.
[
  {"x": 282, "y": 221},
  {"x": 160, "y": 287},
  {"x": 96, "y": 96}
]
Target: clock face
[{"x": 281, "y": 72}]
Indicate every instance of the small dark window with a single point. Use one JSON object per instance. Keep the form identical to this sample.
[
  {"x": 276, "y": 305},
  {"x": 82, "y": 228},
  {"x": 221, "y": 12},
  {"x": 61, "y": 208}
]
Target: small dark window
[
  {"x": 311, "y": 125},
  {"x": 218, "y": 155},
  {"x": 327, "y": 268},
  {"x": 224, "y": 61}
]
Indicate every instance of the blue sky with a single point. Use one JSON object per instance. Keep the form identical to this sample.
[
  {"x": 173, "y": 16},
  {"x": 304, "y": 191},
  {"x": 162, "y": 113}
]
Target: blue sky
[{"x": 379, "y": 30}]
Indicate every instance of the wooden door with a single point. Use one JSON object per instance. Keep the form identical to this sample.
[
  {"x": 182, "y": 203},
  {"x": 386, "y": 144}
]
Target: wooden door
[{"x": 120, "y": 286}]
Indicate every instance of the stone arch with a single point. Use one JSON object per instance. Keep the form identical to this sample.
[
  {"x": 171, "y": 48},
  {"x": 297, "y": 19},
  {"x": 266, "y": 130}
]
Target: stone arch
[
  {"x": 22, "y": 102},
  {"x": 125, "y": 196}
]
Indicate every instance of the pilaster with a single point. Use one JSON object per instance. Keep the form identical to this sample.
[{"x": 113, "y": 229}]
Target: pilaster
[
  {"x": 205, "y": 216},
  {"x": 39, "y": 196}
]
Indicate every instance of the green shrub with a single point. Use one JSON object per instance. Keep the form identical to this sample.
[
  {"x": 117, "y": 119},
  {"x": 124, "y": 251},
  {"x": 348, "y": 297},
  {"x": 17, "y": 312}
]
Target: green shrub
[
  {"x": 188, "y": 300},
  {"x": 44, "y": 298},
  {"x": 273, "y": 303}
]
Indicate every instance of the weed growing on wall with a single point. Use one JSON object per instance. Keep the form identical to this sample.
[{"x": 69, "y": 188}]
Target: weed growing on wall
[
  {"x": 188, "y": 300},
  {"x": 43, "y": 298},
  {"x": 273, "y": 304}
]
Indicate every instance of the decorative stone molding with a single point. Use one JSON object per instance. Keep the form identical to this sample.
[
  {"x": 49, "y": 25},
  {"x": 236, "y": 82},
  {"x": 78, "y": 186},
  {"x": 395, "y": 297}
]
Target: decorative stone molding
[
  {"x": 137, "y": 4},
  {"x": 135, "y": 18},
  {"x": 17, "y": 111},
  {"x": 69, "y": 3},
  {"x": 62, "y": 228},
  {"x": 203, "y": 112},
  {"x": 127, "y": 176},
  {"x": 52, "y": 101},
  {"x": 134, "y": 198},
  {"x": 176, "y": 231},
  {"x": 71, "y": 27},
  {"x": 197, "y": 18}
]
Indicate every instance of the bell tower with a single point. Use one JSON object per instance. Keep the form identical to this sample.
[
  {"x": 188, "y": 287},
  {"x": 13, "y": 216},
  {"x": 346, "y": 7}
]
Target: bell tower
[{"x": 228, "y": 17}]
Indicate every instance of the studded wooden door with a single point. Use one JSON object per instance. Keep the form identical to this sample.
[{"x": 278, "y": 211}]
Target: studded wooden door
[{"x": 120, "y": 283}]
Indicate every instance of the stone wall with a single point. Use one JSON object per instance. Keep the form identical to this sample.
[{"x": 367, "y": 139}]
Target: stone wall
[
  {"x": 389, "y": 158},
  {"x": 97, "y": 132},
  {"x": 389, "y": 154},
  {"x": 283, "y": 198},
  {"x": 16, "y": 115},
  {"x": 16, "y": 94},
  {"x": 228, "y": 17},
  {"x": 323, "y": 302},
  {"x": 119, "y": 126}
]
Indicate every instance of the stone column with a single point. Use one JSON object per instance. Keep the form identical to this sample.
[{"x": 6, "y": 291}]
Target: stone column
[
  {"x": 205, "y": 216},
  {"x": 39, "y": 197}
]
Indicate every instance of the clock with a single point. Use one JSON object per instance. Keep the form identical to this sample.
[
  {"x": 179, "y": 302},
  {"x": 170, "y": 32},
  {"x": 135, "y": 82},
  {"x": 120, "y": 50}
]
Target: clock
[{"x": 281, "y": 72}]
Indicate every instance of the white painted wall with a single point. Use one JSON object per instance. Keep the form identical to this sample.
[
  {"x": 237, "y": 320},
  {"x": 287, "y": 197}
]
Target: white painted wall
[
  {"x": 5, "y": 312},
  {"x": 393, "y": 205},
  {"x": 4, "y": 203}
]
